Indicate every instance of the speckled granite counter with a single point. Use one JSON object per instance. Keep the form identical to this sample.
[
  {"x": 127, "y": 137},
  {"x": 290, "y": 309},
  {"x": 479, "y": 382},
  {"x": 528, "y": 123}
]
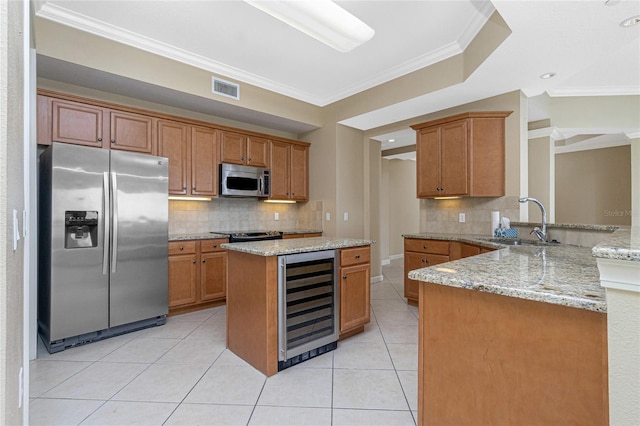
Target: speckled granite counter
[
  {"x": 558, "y": 274},
  {"x": 199, "y": 236},
  {"x": 581, "y": 226},
  {"x": 624, "y": 244},
  {"x": 297, "y": 245}
]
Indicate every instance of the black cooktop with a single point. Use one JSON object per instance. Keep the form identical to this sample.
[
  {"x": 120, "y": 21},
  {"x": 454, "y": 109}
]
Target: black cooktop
[{"x": 252, "y": 235}]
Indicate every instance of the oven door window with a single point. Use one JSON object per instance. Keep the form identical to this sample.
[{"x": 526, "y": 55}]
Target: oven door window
[{"x": 242, "y": 183}]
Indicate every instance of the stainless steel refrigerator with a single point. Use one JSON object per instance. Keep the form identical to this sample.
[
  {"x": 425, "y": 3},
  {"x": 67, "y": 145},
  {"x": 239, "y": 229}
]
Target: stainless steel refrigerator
[{"x": 103, "y": 244}]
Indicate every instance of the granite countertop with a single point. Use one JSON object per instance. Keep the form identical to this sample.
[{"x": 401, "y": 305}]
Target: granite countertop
[
  {"x": 559, "y": 274},
  {"x": 623, "y": 244},
  {"x": 301, "y": 231},
  {"x": 198, "y": 236},
  {"x": 580, "y": 226},
  {"x": 296, "y": 245}
]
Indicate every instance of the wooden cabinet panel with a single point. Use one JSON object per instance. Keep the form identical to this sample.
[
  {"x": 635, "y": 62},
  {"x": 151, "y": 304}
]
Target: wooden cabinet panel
[
  {"x": 182, "y": 279},
  {"x": 213, "y": 275},
  {"x": 419, "y": 253},
  {"x": 173, "y": 140},
  {"x": 280, "y": 173},
  {"x": 453, "y": 159},
  {"x": 355, "y": 256},
  {"x": 77, "y": 123},
  {"x": 461, "y": 155},
  {"x": 299, "y": 173},
  {"x": 232, "y": 147},
  {"x": 131, "y": 132},
  {"x": 257, "y": 152},
  {"x": 427, "y": 246},
  {"x": 43, "y": 120},
  {"x": 467, "y": 250},
  {"x": 198, "y": 277},
  {"x": 428, "y": 162},
  {"x": 354, "y": 297},
  {"x": 204, "y": 162}
]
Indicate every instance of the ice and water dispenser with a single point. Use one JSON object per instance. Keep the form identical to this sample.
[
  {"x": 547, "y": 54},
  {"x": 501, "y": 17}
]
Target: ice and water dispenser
[{"x": 80, "y": 229}]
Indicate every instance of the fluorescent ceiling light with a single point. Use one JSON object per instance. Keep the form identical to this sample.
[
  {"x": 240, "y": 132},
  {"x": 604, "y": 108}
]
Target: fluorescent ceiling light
[
  {"x": 280, "y": 201},
  {"x": 321, "y": 19}
]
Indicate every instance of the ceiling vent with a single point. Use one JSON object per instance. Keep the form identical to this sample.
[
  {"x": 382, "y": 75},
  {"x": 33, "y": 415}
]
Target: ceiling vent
[{"x": 225, "y": 88}]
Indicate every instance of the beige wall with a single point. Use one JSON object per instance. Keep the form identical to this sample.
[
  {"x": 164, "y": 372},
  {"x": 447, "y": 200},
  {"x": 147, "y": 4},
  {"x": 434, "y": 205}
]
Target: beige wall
[
  {"x": 541, "y": 168},
  {"x": 635, "y": 182},
  {"x": 372, "y": 196},
  {"x": 11, "y": 197},
  {"x": 594, "y": 186},
  {"x": 403, "y": 208}
]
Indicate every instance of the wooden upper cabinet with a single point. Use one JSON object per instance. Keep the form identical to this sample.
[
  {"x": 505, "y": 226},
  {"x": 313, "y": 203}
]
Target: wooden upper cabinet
[
  {"x": 75, "y": 123},
  {"x": 280, "y": 170},
  {"x": 289, "y": 171},
  {"x": 204, "y": 161},
  {"x": 131, "y": 132},
  {"x": 236, "y": 148},
  {"x": 233, "y": 147},
  {"x": 299, "y": 173},
  {"x": 257, "y": 152},
  {"x": 462, "y": 155},
  {"x": 173, "y": 143}
]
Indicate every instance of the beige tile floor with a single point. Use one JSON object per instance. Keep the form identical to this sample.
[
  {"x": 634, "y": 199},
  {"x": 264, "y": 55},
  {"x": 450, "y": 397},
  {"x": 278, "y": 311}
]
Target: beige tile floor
[{"x": 182, "y": 374}]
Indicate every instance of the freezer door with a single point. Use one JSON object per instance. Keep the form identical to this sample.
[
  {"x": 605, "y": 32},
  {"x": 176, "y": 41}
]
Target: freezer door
[
  {"x": 79, "y": 281},
  {"x": 139, "y": 237}
]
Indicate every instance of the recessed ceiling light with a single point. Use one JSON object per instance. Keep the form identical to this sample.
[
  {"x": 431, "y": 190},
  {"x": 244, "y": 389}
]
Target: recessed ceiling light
[
  {"x": 391, "y": 140},
  {"x": 631, "y": 21},
  {"x": 548, "y": 75}
]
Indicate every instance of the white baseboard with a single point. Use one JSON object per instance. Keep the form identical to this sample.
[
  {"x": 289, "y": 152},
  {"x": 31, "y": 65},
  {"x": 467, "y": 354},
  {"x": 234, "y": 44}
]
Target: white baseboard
[
  {"x": 397, "y": 256},
  {"x": 386, "y": 262},
  {"x": 376, "y": 279}
]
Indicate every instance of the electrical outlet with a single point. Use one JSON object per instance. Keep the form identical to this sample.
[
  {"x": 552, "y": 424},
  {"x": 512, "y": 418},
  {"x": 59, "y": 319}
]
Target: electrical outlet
[
  {"x": 346, "y": 216},
  {"x": 276, "y": 216},
  {"x": 328, "y": 217},
  {"x": 461, "y": 218}
]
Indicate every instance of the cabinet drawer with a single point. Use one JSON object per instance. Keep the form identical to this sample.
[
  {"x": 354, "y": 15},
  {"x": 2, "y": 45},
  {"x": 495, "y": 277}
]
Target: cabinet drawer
[
  {"x": 355, "y": 256},
  {"x": 208, "y": 246},
  {"x": 427, "y": 246},
  {"x": 182, "y": 247}
]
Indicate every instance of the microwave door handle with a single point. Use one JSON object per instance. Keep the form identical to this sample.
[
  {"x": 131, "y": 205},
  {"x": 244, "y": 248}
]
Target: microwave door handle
[{"x": 261, "y": 186}]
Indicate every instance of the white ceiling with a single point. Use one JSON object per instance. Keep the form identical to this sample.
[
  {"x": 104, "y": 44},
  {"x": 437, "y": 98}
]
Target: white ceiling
[{"x": 581, "y": 41}]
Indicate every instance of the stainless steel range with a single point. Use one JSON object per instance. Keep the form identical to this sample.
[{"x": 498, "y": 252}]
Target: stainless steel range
[{"x": 245, "y": 236}]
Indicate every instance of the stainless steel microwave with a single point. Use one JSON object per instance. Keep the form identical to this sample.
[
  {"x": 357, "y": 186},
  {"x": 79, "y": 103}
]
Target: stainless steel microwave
[{"x": 244, "y": 181}]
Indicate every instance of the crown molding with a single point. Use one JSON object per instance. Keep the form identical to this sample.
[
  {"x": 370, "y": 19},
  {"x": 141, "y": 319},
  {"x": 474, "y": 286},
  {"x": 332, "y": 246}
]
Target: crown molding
[{"x": 594, "y": 91}]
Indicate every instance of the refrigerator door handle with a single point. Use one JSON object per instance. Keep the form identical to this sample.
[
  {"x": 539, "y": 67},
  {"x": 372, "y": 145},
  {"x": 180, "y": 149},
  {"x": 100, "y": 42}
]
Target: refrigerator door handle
[
  {"x": 114, "y": 215},
  {"x": 105, "y": 209}
]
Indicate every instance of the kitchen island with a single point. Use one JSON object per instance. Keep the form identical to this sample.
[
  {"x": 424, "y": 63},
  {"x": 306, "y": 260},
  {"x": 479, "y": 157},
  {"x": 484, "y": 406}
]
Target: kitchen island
[
  {"x": 252, "y": 293},
  {"x": 514, "y": 336}
]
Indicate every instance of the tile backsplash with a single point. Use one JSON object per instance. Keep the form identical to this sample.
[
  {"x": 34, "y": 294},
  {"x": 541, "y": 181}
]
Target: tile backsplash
[
  {"x": 240, "y": 214},
  {"x": 443, "y": 215}
]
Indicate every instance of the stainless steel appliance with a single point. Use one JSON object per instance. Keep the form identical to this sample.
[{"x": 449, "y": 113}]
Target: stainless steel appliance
[
  {"x": 308, "y": 295},
  {"x": 103, "y": 232},
  {"x": 244, "y": 181},
  {"x": 244, "y": 236}
]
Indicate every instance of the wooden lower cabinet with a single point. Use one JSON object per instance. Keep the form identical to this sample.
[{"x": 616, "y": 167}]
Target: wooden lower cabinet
[
  {"x": 489, "y": 359},
  {"x": 309, "y": 235},
  {"x": 197, "y": 275},
  {"x": 355, "y": 290}
]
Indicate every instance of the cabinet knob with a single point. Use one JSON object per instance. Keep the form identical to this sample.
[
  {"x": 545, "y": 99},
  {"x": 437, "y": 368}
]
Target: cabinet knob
[
  {"x": 99, "y": 139},
  {"x": 215, "y": 246},
  {"x": 424, "y": 247},
  {"x": 193, "y": 261},
  {"x": 204, "y": 260},
  {"x": 357, "y": 256},
  {"x": 181, "y": 248},
  {"x": 344, "y": 277},
  {"x": 113, "y": 141},
  {"x": 193, "y": 188},
  {"x": 249, "y": 159},
  {"x": 184, "y": 188},
  {"x": 425, "y": 260}
]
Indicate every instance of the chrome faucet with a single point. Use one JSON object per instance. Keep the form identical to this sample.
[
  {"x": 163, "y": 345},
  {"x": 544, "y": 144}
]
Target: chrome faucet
[{"x": 540, "y": 233}]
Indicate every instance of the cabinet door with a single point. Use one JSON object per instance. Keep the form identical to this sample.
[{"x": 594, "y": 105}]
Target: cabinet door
[
  {"x": 77, "y": 123},
  {"x": 257, "y": 152},
  {"x": 204, "y": 162},
  {"x": 299, "y": 182},
  {"x": 182, "y": 279},
  {"x": 213, "y": 276},
  {"x": 454, "y": 160},
  {"x": 131, "y": 132},
  {"x": 428, "y": 162},
  {"x": 232, "y": 147},
  {"x": 43, "y": 120},
  {"x": 412, "y": 261},
  {"x": 354, "y": 297},
  {"x": 280, "y": 156},
  {"x": 173, "y": 141},
  {"x": 467, "y": 250}
]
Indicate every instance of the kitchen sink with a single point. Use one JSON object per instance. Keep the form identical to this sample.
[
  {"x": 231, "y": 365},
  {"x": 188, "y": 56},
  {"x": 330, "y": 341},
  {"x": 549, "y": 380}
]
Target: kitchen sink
[{"x": 514, "y": 242}]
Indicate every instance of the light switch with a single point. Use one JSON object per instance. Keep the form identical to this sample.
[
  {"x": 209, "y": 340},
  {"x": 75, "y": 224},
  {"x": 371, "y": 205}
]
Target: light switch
[
  {"x": 276, "y": 216},
  {"x": 346, "y": 216},
  {"x": 461, "y": 218},
  {"x": 328, "y": 217}
]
